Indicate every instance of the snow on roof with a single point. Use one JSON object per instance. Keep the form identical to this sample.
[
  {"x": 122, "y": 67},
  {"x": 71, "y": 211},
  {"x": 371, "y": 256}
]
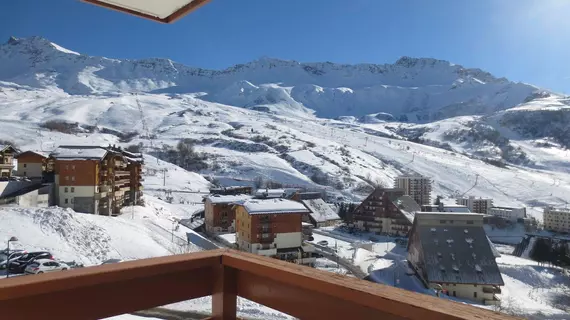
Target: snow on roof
[
  {"x": 216, "y": 198},
  {"x": 320, "y": 210},
  {"x": 266, "y": 206},
  {"x": 270, "y": 193},
  {"x": 79, "y": 152},
  {"x": 40, "y": 153}
]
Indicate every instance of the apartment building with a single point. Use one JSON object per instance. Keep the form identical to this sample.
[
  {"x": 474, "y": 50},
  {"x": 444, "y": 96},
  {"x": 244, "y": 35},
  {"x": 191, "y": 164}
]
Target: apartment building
[
  {"x": 32, "y": 164},
  {"x": 219, "y": 212},
  {"x": 94, "y": 179},
  {"x": 273, "y": 227},
  {"x": 7, "y": 153},
  {"x": 451, "y": 251},
  {"x": 417, "y": 187},
  {"x": 385, "y": 211},
  {"x": 511, "y": 214},
  {"x": 476, "y": 205},
  {"x": 557, "y": 219}
]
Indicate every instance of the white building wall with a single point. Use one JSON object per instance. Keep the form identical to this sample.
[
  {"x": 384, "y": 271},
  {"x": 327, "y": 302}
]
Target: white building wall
[
  {"x": 288, "y": 240},
  {"x": 31, "y": 170},
  {"x": 468, "y": 291},
  {"x": 508, "y": 213},
  {"x": 65, "y": 192}
]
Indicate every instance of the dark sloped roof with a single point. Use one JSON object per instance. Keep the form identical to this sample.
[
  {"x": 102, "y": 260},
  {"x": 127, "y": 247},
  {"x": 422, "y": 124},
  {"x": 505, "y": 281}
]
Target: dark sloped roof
[
  {"x": 408, "y": 206},
  {"x": 458, "y": 254}
]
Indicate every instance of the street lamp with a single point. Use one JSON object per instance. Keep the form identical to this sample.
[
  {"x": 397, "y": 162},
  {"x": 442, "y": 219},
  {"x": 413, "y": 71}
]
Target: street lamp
[{"x": 12, "y": 239}]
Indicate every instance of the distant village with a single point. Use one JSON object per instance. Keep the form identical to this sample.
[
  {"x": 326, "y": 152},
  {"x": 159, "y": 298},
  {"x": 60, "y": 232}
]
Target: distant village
[{"x": 447, "y": 245}]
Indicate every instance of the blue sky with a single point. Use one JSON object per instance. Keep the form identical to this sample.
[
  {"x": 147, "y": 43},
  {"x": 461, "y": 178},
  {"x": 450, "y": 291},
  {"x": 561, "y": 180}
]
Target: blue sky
[{"x": 524, "y": 40}]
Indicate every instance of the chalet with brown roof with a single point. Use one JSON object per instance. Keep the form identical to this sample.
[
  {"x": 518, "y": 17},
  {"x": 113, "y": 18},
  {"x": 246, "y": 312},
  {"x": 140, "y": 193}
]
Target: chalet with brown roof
[
  {"x": 7, "y": 153},
  {"x": 219, "y": 212},
  {"x": 32, "y": 164},
  {"x": 385, "y": 211}
]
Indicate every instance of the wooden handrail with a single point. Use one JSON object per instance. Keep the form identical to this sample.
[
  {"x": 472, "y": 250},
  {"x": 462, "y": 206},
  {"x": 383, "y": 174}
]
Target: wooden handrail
[{"x": 306, "y": 293}]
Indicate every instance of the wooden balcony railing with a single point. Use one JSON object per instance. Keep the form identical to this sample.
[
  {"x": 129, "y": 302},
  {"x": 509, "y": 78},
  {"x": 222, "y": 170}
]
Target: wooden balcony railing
[{"x": 305, "y": 293}]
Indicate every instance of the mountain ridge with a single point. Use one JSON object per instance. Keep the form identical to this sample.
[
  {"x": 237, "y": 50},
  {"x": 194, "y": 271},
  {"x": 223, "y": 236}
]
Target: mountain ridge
[{"x": 426, "y": 87}]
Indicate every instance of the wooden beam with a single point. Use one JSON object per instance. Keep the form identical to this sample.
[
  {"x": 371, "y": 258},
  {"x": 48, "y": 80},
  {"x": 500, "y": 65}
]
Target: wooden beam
[
  {"x": 224, "y": 297},
  {"x": 104, "y": 291},
  {"x": 279, "y": 284},
  {"x": 192, "y": 6}
]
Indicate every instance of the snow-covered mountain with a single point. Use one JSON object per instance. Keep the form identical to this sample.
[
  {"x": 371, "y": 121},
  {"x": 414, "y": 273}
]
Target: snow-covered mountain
[
  {"x": 422, "y": 89},
  {"x": 265, "y": 119}
]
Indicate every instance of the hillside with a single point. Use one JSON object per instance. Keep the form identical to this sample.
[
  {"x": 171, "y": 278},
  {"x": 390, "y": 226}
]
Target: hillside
[{"x": 498, "y": 152}]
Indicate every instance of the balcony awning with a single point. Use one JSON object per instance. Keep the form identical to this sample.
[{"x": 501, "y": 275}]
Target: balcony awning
[{"x": 165, "y": 11}]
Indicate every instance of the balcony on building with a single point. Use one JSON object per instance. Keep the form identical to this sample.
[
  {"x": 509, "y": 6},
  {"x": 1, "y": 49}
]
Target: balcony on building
[{"x": 224, "y": 274}]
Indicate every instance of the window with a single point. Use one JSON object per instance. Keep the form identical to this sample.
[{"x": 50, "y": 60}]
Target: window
[
  {"x": 66, "y": 201},
  {"x": 469, "y": 221},
  {"x": 454, "y": 294},
  {"x": 71, "y": 200},
  {"x": 65, "y": 189},
  {"x": 475, "y": 294},
  {"x": 25, "y": 174},
  {"x": 73, "y": 178},
  {"x": 73, "y": 167},
  {"x": 72, "y": 189},
  {"x": 66, "y": 178},
  {"x": 25, "y": 165},
  {"x": 442, "y": 221},
  {"x": 66, "y": 167}
]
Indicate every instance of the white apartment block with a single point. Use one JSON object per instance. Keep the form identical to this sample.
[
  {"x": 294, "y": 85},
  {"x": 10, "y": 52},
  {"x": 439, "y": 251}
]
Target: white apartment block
[
  {"x": 476, "y": 205},
  {"x": 557, "y": 219},
  {"x": 512, "y": 214},
  {"x": 417, "y": 187}
]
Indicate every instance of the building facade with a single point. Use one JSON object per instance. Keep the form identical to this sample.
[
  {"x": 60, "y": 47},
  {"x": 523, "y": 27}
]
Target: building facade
[
  {"x": 451, "y": 251},
  {"x": 476, "y": 205},
  {"x": 557, "y": 219},
  {"x": 511, "y": 214},
  {"x": 385, "y": 211},
  {"x": 444, "y": 208},
  {"x": 273, "y": 227},
  {"x": 31, "y": 164},
  {"x": 219, "y": 212},
  {"x": 6, "y": 160},
  {"x": 95, "y": 179},
  {"x": 417, "y": 187}
]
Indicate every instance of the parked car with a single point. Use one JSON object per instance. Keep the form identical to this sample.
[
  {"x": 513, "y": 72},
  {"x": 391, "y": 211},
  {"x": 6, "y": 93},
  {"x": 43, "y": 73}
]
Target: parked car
[
  {"x": 14, "y": 255},
  {"x": 20, "y": 264},
  {"x": 45, "y": 265},
  {"x": 323, "y": 243}
]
